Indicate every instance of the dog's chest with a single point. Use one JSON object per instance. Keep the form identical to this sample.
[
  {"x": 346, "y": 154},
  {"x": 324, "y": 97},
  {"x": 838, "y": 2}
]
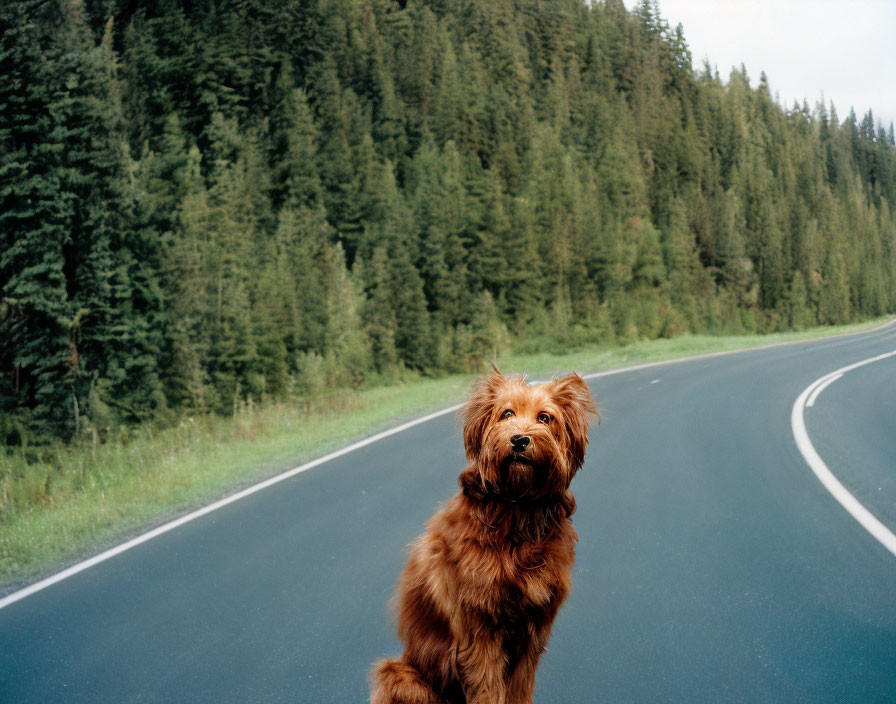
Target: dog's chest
[
  {"x": 528, "y": 593},
  {"x": 519, "y": 577},
  {"x": 530, "y": 576}
]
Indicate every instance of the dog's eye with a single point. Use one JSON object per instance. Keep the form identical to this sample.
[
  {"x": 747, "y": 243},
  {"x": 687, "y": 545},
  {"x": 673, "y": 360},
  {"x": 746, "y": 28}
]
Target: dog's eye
[
  {"x": 508, "y": 414},
  {"x": 544, "y": 418}
]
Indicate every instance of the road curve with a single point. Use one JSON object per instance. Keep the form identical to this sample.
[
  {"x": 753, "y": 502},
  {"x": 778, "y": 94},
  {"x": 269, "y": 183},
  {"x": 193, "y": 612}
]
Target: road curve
[
  {"x": 712, "y": 565},
  {"x": 867, "y": 519}
]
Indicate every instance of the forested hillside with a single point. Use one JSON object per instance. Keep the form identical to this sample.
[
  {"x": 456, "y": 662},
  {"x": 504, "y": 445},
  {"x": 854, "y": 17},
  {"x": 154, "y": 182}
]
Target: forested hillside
[{"x": 205, "y": 201}]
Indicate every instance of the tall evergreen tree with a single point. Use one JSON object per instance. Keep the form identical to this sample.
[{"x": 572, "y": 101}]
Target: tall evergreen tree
[{"x": 73, "y": 262}]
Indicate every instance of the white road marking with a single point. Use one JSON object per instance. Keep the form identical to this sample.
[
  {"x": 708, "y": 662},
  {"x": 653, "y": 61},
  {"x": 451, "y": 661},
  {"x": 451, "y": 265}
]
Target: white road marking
[
  {"x": 140, "y": 539},
  {"x": 726, "y": 353},
  {"x": 868, "y": 521},
  {"x": 820, "y": 388}
]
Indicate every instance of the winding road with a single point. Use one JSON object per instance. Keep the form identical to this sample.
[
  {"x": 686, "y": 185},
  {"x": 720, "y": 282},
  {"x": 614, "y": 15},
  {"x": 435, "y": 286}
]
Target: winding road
[{"x": 713, "y": 564}]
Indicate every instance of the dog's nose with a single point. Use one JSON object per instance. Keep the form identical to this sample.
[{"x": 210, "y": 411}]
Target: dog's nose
[{"x": 519, "y": 442}]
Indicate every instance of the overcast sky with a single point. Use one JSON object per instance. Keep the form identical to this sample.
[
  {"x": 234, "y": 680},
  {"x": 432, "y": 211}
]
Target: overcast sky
[{"x": 843, "y": 49}]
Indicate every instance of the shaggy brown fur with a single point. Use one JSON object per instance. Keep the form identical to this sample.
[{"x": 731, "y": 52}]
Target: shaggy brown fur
[{"x": 483, "y": 584}]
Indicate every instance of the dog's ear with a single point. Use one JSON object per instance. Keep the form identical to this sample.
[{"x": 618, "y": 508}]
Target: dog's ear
[
  {"x": 571, "y": 393},
  {"x": 477, "y": 413}
]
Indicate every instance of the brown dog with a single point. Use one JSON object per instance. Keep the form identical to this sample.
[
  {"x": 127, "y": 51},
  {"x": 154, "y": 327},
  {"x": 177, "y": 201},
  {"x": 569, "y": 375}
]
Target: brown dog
[{"x": 482, "y": 586}]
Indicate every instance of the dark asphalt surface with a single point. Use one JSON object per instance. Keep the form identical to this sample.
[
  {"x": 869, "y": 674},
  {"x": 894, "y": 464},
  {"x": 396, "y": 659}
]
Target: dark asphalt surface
[{"x": 712, "y": 565}]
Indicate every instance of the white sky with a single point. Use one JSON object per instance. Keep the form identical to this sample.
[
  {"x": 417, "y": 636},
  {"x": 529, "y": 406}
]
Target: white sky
[{"x": 844, "y": 50}]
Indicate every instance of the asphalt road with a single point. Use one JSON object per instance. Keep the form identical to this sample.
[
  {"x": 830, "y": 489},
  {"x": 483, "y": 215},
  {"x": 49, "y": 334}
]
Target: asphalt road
[{"x": 712, "y": 565}]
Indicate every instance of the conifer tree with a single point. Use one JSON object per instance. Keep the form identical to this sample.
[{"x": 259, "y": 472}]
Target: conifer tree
[
  {"x": 186, "y": 282},
  {"x": 33, "y": 225},
  {"x": 99, "y": 344}
]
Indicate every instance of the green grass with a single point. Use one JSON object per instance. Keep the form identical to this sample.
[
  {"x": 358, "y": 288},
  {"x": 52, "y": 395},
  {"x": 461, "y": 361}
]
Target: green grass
[{"x": 72, "y": 500}]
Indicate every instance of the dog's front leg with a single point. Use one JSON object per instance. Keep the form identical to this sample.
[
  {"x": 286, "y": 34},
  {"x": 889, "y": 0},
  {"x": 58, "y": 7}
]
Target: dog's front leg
[
  {"x": 522, "y": 680},
  {"x": 521, "y": 684},
  {"x": 482, "y": 666}
]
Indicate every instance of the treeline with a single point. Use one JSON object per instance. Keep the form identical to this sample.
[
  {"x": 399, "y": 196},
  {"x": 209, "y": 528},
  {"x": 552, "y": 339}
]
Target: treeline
[{"x": 205, "y": 201}]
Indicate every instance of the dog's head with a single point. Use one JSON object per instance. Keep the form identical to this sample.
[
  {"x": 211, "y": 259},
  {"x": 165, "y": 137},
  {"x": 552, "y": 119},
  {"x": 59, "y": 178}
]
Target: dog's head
[{"x": 527, "y": 439}]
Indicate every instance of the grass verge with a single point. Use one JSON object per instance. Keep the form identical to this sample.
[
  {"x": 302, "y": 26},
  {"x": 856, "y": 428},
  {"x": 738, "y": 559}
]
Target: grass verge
[{"x": 78, "y": 499}]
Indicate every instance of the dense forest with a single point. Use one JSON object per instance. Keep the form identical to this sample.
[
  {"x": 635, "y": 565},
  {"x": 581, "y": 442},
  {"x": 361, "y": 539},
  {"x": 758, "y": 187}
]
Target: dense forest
[{"x": 203, "y": 201}]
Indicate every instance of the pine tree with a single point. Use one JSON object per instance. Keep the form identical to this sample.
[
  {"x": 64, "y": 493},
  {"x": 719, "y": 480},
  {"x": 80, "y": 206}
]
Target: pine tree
[
  {"x": 33, "y": 226},
  {"x": 292, "y": 139},
  {"x": 79, "y": 271},
  {"x": 348, "y": 350},
  {"x": 185, "y": 280}
]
